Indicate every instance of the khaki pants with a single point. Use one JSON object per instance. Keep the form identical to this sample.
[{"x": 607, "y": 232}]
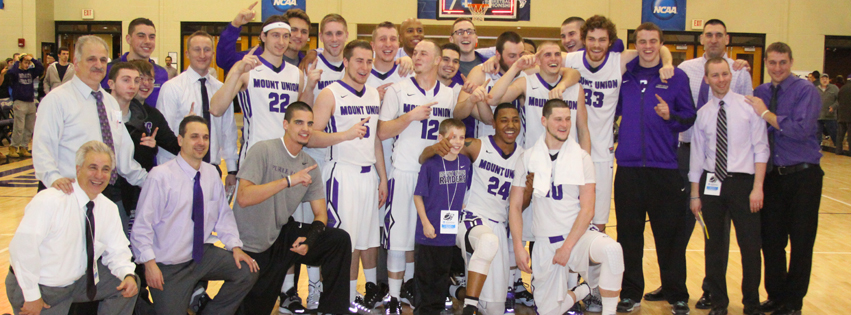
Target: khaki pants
[{"x": 22, "y": 130}]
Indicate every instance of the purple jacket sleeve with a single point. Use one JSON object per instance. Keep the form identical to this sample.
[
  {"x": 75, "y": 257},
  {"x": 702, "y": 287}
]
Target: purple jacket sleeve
[
  {"x": 226, "y": 54},
  {"x": 682, "y": 110}
]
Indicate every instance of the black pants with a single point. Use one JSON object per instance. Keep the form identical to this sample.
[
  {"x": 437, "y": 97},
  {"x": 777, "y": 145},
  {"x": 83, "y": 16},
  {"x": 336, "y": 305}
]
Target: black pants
[
  {"x": 790, "y": 215},
  {"x": 683, "y": 156},
  {"x": 733, "y": 203},
  {"x": 642, "y": 191},
  {"x": 843, "y": 129},
  {"x": 431, "y": 277},
  {"x": 332, "y": 251}
]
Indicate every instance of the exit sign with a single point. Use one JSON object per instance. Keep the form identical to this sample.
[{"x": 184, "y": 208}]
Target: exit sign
[
  {"x": 88, "y": 14},
  {"x": 697, "y": 24}
]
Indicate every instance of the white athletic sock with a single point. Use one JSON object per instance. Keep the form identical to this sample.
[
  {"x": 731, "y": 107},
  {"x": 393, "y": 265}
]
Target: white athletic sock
[
  {"x": 313, "y": 274},
  {"x": 610, "y": 305},
  {"x": 581, "y": 292},
  {"x": 353, "y": 290},
  {"x": 409, "y": 271},
  {"x": 369, "y": 274},
  {"x": 395, "y": 287},
  {"x": 288, "y": 283}
]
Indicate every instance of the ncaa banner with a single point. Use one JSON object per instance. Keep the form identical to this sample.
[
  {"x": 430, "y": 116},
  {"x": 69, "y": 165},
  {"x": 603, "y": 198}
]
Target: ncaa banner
[
  {"x": 669, "y": 15},
  {"x": 278, "y": 7}
]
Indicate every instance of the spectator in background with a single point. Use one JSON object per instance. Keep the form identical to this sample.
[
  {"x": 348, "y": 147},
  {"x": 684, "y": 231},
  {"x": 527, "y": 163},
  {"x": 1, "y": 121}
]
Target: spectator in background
[
  {"x": 58, "y": 72},
  {"x": 815, "y": 77},
  {"x": 843, "y": 118},
  {"x": 839, "y": 81},
  {"x": 49, "y": 59},
  {"x": 23, "y": 75},
  {"x": 827, "y": 115},
  {"x": 172, "y": 72},
  {"x": 5, "y": 96}
]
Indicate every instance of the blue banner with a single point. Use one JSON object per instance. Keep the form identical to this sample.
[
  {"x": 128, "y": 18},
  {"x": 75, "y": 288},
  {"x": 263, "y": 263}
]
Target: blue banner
[
  {"x": 2, "y": 6},
  {"x": 669, "y": 15},
  {"x": 278, "y": 7}
]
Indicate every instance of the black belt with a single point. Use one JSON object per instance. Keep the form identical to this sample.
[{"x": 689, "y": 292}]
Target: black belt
[
  {"x": 685, "y": 144},
  {"x": 786, "y": 170}
]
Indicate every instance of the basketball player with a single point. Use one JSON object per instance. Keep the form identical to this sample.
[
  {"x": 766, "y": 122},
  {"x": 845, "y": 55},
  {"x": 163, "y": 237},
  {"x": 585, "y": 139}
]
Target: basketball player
[
  {"x": 570, "y": 34},
  {"x": 412, "y": 110},
  {"x": 265, "y": 85},
  {"x": 484, "y": 230},
  {"x": 562, "y": 208},
  {"x": 354, "y": 192},
  {"x": 535, "y": 90}
]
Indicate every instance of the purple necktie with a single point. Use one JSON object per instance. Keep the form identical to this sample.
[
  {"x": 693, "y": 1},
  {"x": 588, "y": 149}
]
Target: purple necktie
[
  {"x": 91, "y": 288},
  {"x": 702, "y": 94},
  {"x": 105, "y": 130},
  {"x": 198, "y": 218}
]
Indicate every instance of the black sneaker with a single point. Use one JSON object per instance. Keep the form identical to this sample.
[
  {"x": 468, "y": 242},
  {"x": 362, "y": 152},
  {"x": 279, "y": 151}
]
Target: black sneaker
[
  {"x": 290, "y": 303},
  {"x": 525, "y": 298},
  {"x": 785, "y": 310},
  {"x": 705, "y": 302},
  {"x": 470, "y": 310},
  {"x": 373, "y": 297},
  {"x": 628, "y": 305},
  {"x": 769, "y": 306},
  {"x": 407, "y": 294},
  {"x": 753, "y": 310},
  {"x": 359, "y": 306},
  {"x": 655, "y": 295},
  {"x": 393, "y": 307},
  {"x": 199, "y": 299},
  {"x": 680, "y": 308}
]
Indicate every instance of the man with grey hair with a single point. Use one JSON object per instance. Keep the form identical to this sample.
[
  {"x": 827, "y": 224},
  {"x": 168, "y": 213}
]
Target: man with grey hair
[
  {"x": 81, "y": 254},
  {"x": 78, "y": 112}
]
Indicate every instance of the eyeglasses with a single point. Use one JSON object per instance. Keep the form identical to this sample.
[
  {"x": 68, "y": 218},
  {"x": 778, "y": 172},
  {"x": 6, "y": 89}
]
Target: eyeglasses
[{"x": 468, "y": 31}]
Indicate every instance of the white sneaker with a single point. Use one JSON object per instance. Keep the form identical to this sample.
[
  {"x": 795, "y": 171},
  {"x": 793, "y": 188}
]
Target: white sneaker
[{"x": 314, "y": 291}]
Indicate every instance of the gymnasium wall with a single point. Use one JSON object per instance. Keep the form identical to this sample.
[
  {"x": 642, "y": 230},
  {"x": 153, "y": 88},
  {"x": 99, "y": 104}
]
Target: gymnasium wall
[{"x": 800, "y": 23}]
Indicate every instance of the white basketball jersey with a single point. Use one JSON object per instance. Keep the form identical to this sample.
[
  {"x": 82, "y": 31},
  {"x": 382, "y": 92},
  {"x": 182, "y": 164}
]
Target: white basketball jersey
[
  {"x": 555, "y": 213},
  {"x": 375, "y": 80},
  {"x": 482, "y": 129},
  {"x": 264, "y": 103},
  {"x": 330, "y": 73},
  {"x": 602, "y": 89},
  {"x": 407, "y": 95},
  {"x": 492, "y": 178},
  {"x": 350, "y": 107},
  {"x": 537, "y": 94}
]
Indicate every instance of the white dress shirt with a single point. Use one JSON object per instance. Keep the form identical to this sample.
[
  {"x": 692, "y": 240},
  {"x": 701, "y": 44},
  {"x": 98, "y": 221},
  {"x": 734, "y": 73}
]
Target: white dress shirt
[
  {"x": 175, "y": 100},
  {"x": 49, "y": 247},
  {"x": 747, "y": 138},
  {"x": 67, "y": 119},
  {"x": 741, "y": 83}
]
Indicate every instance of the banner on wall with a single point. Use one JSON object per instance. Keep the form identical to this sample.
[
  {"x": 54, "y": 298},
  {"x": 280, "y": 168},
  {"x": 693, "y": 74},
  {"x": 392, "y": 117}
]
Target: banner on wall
[
  {"x": 2, "y": 6},
  {"x": 669, "y": 15},
  {"x": 498, "y": 10},
  {"x": 278, "y": 7}
]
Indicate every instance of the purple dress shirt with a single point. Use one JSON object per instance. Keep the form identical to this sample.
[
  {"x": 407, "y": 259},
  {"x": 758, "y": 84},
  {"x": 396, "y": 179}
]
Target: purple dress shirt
[
  {"x": 798, "y": 105},
  {"x": 163, "y": 226}
]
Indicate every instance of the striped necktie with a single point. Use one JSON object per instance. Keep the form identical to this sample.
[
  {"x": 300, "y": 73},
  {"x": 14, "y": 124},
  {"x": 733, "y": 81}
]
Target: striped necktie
[{"x": 721, "y": 143}]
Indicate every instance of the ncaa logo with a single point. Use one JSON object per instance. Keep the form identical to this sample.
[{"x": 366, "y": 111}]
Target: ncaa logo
[
  {"x": 662, "y": 9},
  {"x": 283, "y": 5}
]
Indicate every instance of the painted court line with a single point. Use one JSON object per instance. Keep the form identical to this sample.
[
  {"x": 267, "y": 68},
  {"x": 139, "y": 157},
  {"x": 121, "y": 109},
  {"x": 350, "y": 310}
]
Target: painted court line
[
  {"x": 837, "y": 200},
  {"x": 736, "y": 251}
]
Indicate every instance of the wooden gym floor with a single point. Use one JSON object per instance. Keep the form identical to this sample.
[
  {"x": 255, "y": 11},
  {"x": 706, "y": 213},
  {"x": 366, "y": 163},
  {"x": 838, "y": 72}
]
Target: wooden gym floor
[{"x": 830, "y": 285}]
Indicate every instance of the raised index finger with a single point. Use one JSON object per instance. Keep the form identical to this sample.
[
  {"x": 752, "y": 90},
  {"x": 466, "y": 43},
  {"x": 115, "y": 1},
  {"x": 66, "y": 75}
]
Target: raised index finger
[
  {"x": 310, "y": 168},
  {"x": 660, "y": 98},
  {"x": 154, "y": 135},
  {"x": 251, "y": 7},
  {"x": 430, "y": 104},
  {"x": 365, "y": 120},
  {"x": 464, "y": 78},
  {"x": 251, "y": 52}
]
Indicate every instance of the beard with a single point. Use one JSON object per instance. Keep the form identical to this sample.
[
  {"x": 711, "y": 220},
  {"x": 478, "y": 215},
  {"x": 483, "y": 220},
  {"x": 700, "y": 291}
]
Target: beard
[
  {"x": 503, "y": 66},
  {"x": 556, "y": 137}
]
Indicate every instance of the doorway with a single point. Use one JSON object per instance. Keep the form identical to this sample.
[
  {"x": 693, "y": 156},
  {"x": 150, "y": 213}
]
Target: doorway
[
  {"x": 837, "y": 56},
  {"x": 67, "y": 33}
]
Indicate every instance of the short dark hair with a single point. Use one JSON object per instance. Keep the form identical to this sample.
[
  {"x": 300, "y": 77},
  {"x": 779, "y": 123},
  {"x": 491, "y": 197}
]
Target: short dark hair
[
  {"x": 452, "y": 47},
  {"x": 145, "y": 67},
  {"x": 190, "y": 119},
  {"x": 553, "y": 103},
  {"x": 113, "y": 72},
  {"x": 349, "y": 50},
  {"x": 530, "y": 42},
  {"x": 715, "y": 22},
  {"x": 61, "y": 49},
  {"x": 779, "y": 47},
  {"x": 504, "y": 106},
  {"x": 385, "y": 24},
  {"x": 297, "y": 13},
  {"x": 573, "y": 19},
  {"x": 288, "y": 115},
  {"x": 139, "y": 21},
  {"x": 714, "y": 60},
  {"x": 600, "y": 22},
  {"x": 507, "y": 37},
  {"x": 649, "y": 26},
  {"x": 451, "y": 123}
]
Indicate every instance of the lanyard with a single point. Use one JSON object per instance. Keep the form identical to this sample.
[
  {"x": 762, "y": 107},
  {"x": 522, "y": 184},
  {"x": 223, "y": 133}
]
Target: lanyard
[{"x": 458, "y": 167}]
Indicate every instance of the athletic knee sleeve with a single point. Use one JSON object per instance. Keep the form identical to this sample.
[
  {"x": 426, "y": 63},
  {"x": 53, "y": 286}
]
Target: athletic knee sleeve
[
  {"x": 610, "y": 256},
  {"x": 485, "y": 250},
  {"x": 395, "y": 260}
]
